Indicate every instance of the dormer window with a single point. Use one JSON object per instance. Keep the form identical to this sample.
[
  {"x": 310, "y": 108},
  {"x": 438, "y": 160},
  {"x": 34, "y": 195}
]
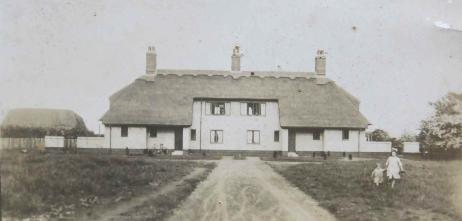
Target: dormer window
[
  {"x": 253, "y": 109},
  {"x": 217, "y": 108}
]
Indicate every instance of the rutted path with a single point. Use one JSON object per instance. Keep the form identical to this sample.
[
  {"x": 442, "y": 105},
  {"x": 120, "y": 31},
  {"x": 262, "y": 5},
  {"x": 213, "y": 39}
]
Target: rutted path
[
  {"x": 248, "y": 190},
  {"x": 114, "y": 212}
]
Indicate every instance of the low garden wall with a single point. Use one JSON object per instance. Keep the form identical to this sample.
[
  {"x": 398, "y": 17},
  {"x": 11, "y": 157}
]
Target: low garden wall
[
  {"x": 411, "y": 147},
  {"x": 376, "y": 147}
]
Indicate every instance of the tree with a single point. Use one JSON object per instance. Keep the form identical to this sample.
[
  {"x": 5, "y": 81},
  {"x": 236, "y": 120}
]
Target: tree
[
  {"x": 379, "y": 135},
  {"x": 443, "y": 130},
  {"x": 408, "y": 137}
]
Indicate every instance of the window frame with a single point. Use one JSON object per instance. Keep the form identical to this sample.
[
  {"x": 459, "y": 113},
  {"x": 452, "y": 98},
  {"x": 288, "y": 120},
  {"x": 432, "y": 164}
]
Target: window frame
[
  {"x": 215, "y": 132},
  {"x": 193, "y": 135},
  {"x": 345, "y": 134},
  {"x": 253, "y": 136},
  {"x": 150, "y": 132},
  {"x": 123, "y": 131},
  {"x": 254, "y": 104},
  {"x": 316, "y": 135},
  {"x": 222, "y": 110},
  {"x": 277, "y": 135}
]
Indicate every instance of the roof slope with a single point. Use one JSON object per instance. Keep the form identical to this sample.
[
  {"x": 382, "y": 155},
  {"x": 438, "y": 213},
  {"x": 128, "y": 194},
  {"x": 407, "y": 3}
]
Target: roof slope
[
  {"x": 166, "y": 99},
  {"x": 43, "y": 118}
]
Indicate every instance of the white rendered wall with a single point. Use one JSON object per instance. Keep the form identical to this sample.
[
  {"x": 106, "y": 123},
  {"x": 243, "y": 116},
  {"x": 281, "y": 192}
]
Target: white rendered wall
[
  {"x": 304, "y": 142},
  {"x": 186, "y": 138},
  {"x": 235, "y": 126},
  {"x": 165, "y": 137},
  {"x": 136, "y": 138},
  {"x": 334, "y": 142}
]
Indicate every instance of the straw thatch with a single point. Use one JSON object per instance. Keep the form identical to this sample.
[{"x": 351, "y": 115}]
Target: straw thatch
[
  {"x": 43, "y": 118},
  {"x": 166, "y": 98}
]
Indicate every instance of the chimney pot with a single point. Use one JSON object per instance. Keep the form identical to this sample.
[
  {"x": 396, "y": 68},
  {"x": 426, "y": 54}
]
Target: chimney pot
[
  {"x": 151, "y": 60},
  {"x": 236, "y": 59},
  {"x": 320, "y": 63}
]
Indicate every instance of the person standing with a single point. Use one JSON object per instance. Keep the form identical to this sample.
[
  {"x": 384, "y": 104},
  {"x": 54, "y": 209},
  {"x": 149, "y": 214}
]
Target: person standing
[
  {"x": 377, "y": 175},
  {"x": 394, "y": 167}
]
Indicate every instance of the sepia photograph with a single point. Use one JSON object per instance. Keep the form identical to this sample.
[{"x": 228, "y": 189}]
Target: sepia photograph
[{"x": 245, "y": 110}]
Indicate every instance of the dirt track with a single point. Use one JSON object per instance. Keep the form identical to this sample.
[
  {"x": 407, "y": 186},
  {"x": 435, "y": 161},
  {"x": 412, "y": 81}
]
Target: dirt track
[
  {"x": 113, "y": 213},
  {"x": 248, "y": 190}
]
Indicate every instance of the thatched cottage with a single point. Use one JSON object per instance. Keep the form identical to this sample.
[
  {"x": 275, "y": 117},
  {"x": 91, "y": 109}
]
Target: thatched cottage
[
  {"x": 234, "y": 111},
  {"x": 38, "y": 122}
]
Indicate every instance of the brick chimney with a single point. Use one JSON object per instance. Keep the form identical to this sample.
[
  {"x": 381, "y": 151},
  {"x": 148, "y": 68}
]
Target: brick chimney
[
  {"x": 151, "y": 60},
  {"x": 320, "y": 63},
  {"x": 236, "y": 59}
]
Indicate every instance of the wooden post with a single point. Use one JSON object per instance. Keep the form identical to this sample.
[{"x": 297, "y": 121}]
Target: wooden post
[
  {"x": 359, "y": 141},
  {"x": 1, "y": 159},
  {"x": 200, "y": 130},
  {"x": 110, "y": 139}
]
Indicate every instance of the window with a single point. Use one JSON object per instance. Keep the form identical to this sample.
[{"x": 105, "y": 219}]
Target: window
[
  {"x": 124, "y": 131},
  {"x": 193, "y": 134},
  {"x": 217, "y": 108},
  {"x": 276, "y": 136},
  {"x": 345, "y": 134},
  {"x": 316, "y": 135},
  {"x": 216, "y": 136},
  {"x": 253, "y": 109},
  {"x": 152, "y": 131},
  {"x": 253, "y": 136}
]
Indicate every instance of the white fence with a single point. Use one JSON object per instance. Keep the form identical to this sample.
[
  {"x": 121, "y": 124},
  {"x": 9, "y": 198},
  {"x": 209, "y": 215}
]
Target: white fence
[
  {"x": 411, "y": 147},
  {"x": 51, "y": 141},
  {"x": 14, "y": 143},
  {"x": 376, "y": 147},
  {"x": 54, "y": 141},
  {"x": 98, "y": 142},
  {"x": 90, "y": 142}
]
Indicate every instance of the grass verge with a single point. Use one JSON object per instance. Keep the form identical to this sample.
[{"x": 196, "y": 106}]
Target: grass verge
[
  {"x": 428, "y": 191},
  {"x": 57, "y": 185}
]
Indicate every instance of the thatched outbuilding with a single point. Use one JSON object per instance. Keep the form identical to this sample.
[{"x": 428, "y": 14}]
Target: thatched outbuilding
[{"x": 39, "y": 122}]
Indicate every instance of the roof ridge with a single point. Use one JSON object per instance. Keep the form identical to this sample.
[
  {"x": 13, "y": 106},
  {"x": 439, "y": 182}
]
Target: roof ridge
[
  {"x": 214, "y": 70},
  {"x": 234, "y": 74}
]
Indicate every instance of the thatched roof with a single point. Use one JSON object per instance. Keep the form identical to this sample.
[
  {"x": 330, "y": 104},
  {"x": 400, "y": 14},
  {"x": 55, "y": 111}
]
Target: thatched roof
[
  {"x": 43, "y": 118},
  {"x": 166, "y": 99}
]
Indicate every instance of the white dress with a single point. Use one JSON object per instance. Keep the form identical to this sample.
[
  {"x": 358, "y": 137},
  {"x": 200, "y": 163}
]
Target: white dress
[{"x": 393, "y": 167}]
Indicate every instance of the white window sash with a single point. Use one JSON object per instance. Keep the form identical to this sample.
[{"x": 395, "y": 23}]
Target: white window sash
[
  {"x": 256, "y": 136},
  {"x": 249, "y": 137},
  {"x": 220, "y": 136}
]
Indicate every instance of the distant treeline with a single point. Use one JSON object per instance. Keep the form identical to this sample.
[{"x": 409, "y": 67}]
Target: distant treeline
[{"x": 19, "y": 132}]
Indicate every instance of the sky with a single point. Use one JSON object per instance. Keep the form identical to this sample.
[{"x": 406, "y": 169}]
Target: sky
[{"x": 395, "y": 56}]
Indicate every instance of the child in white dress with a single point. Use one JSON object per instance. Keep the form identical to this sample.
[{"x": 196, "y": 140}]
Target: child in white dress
[
  {"x": 377, "y": 175},
  {"x": 394, "y": 167}
]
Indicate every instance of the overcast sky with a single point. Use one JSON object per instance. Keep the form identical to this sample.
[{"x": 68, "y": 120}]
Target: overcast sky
[{"x": 395, "y": 56}]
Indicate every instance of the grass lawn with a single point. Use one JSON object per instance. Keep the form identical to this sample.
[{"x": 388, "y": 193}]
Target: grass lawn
[
  {"x": 430, "y": 190},
  {"x": 66, "y": 185}
]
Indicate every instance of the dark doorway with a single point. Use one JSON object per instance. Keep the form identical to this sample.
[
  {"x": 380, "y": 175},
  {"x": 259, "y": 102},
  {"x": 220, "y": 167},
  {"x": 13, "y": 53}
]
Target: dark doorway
[
  {"x": 178, "y": 138},
  {"x": 291, "y": 140}
]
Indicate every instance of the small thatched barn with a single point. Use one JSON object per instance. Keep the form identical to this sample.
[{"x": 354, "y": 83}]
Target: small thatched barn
[
  {"x": 235, "y": 111},
  {"x": 36, "y": 122}
]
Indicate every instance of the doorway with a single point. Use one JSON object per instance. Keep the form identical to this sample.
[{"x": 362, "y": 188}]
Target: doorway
[
  {"x": 291, "y": 140},
  {"x": 178, "y": 138}
]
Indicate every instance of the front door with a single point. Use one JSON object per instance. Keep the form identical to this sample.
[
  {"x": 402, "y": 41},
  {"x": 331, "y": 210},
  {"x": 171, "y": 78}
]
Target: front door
[
  {"x": 291, "y": 140},
  {"x": 179, "y": 139}
]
